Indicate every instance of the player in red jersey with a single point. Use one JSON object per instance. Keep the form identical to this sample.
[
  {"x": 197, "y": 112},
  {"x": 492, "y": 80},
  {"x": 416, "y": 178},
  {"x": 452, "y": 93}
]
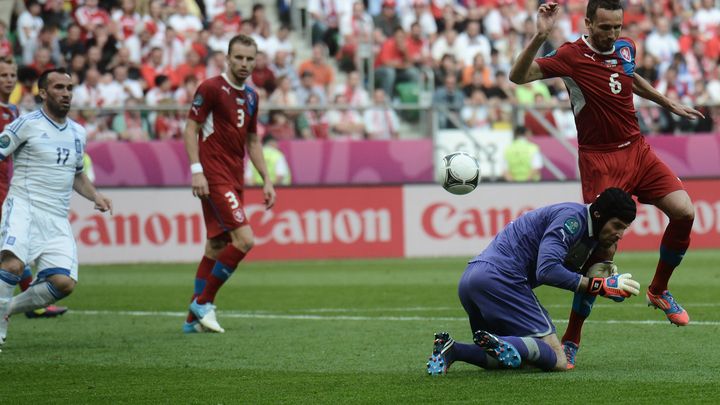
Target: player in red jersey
[
  {"x": 221, "y": 123},
  {"x": 598, "y": 70},
  {"x": 8, "y": 113}
]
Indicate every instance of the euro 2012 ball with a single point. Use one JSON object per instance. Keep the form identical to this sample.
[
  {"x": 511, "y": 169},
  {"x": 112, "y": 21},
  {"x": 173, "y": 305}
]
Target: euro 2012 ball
[{"x": 459, "y": 173}]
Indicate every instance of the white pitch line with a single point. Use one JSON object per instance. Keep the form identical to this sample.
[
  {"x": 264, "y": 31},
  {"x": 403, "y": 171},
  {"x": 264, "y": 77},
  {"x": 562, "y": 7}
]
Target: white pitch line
[{"x": 305, "y": 317}]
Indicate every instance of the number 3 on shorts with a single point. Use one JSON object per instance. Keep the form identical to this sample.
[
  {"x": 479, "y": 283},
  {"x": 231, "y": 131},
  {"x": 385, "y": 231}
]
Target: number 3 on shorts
[{"x": 232, "y": 199}]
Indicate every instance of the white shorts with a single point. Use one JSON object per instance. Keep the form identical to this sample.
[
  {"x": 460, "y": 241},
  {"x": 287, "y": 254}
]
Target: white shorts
[{"x": 34, "y": 235}]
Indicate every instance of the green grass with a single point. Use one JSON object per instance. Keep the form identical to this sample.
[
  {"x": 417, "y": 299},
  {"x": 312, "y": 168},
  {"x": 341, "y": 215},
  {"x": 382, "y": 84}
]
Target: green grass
[{"x": 340, "y": 332}]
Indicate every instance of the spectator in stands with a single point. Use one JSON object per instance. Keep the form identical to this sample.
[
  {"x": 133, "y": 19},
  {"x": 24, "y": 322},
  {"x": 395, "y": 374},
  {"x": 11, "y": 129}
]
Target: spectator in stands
[
  {"x": 161, "y": 93},
  {"x": 317, "y": 64},
  {"x": 26, "y": 84},
  {"x": 326, "y": 16},
  {"x": 90, "y": 15},
  {"x": 129, "y": 88},
  {"x": 526, "y": 93},
  {"x": 262, "y": 76},
  {"x": 87, "y": 93},
  {"x": 193, "y": 66},
  {"x": 381, "y": 121},
  {"x": 345, "y": 123},
  {"x": 277, "y": 167},
  {"x": 111, "y": 92},
  {"x": 662, "y": 44},
  {"x": 280, "y": 42},
  {"x": 538, "y": 117},
  {"x": 707, "y": 17},
  {"x": 54, "y": 14},
  {"x": 262, "y": 35},
  {"x": 475, "y": 113},
  {"x": 702, "y": 101},
  {"x": 106, "y": 43},
  {"x": 153, "y": 67},
  {"x": 130, "y": 125},
  {"x": 354, "y": 92},
  {"x": 446, "y": 44},
  {"x": 154, "y": 20},
  {"x": 216, "y": 64},
  {"x": 213, "y": 8},
  {"x": 78, "y": 66},
  {"x": 184, "y": 94},
  {"x": 72, "y": 43},
  {"x": 127, "y": 17},
  {"x": 313, "y": 123},
  {"x": 6, "y": 47},
  {"x": 258, "y": 18},
  {"x": 97, "y": 126},
  {"x": 173, "y": 49},
  {"x": 448, "y": 67},
  {"x": 394, "y": 64},
  {"x": 473, "y": 42},
  {"x": 421, "y": 15},
  {"x": 477, "y": 74},
  {"x": 280, "y": 127},
  {"x": 647, "y": 69},
  {"x": 451, "y": 99},
  {"x": 219, "y": 39},
  {"x": 356, "y": 32},
  {"x": 230, "y": 18},
  {"x": 308, "y": 87},
  {"x": 284, "y": 95},
  {"x": 282, "y": 66},
  {"x": 523, "y": 160},
  {"x": 42, "y": 60},
  {"x": 387, "y": 21},
  {"x": 184, "y": 22},
  {"x": 29, "y": 24},
  {"x": 418, "y": 47}
]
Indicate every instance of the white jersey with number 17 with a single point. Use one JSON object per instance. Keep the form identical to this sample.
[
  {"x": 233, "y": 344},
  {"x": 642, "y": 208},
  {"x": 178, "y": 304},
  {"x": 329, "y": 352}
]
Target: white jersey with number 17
[{"x": 46, "y": 157}]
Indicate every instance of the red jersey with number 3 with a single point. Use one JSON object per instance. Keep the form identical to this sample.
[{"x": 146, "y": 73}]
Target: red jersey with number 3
[
  {"x": 600, "y": 86},
  {"x": 8, "y": 113},
  {"x": 227, "y": 114}
]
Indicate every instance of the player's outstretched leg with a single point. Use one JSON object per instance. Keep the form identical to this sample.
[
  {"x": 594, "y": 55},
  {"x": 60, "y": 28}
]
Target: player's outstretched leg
[
  {"x": 205, "y": 314},
  {"x": 505, "y": 353},
  {"x": 441, "y": 357}
]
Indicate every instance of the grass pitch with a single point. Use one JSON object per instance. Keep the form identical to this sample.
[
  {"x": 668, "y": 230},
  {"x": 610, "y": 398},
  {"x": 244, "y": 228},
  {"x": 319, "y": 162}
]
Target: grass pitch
[{"x": 341, "y": 332}]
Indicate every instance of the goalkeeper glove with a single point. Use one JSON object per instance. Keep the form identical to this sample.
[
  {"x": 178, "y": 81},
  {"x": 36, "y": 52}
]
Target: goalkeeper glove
[{"x": 616, "y": 287}]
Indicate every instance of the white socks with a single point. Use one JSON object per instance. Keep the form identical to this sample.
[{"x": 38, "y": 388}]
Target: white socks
[{"x": 37, "y": 296}]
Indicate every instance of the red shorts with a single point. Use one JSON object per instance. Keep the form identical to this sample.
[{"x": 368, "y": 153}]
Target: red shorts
[
  {"x": 223, "y": 211},
  {"x": 634, "y": 168}
]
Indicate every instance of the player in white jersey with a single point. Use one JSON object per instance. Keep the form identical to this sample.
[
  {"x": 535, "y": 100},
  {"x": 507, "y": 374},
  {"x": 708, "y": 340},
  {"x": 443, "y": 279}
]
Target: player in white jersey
[{"x": 47, "y": 149}]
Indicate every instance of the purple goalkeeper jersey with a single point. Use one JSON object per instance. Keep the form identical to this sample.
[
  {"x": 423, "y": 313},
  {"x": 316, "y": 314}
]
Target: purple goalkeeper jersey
[{"x": 548, "y": 246}]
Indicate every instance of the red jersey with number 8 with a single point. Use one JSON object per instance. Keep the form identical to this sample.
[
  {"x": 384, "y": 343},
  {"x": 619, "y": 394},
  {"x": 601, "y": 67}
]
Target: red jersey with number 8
[
  {"x": 600, "y": 86},
  {"x": 227, "y": 114}
]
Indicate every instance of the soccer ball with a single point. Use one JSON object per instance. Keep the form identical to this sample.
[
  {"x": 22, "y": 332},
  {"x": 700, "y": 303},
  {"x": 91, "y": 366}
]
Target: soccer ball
[{"x": 459, "y": 173}]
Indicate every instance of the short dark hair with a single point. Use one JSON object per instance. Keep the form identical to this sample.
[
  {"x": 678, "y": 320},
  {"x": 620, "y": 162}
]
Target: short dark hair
[
  {"x": 593, "y": 5},
  {"x": 7, "y": 60},
  {"x": 242, "y": 39},
  {"x": 43, "y": 80},
  {"x": 613, "y": 203}
]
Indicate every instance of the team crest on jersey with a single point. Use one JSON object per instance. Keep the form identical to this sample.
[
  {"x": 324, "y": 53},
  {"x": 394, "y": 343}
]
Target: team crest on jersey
[
  {"x": 625, "y": 53},
  {"x": 238, "y": 215},
  {"x": 239, "y": 101},
  {"x": 10, "y": 240},
  {"x": 198, "y": 100},
  {"x": 6, "y": 116},
  {"x": 571, "y": 225},
  {"x": 78, "y": 146},
  {"x": 4, "y": 141}
]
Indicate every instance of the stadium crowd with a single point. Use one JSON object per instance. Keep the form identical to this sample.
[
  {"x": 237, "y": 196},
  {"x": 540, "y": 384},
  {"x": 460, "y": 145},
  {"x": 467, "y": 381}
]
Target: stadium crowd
[{"x": 132, "y": 53}]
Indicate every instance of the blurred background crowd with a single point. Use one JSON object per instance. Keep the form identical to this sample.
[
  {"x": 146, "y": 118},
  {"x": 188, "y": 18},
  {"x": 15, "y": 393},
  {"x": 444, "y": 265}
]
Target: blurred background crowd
[{"x": 345, "y": 69}]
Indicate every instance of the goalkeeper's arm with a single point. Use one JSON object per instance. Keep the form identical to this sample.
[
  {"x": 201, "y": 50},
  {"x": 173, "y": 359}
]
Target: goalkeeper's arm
[{"x": 616, "y": 287}]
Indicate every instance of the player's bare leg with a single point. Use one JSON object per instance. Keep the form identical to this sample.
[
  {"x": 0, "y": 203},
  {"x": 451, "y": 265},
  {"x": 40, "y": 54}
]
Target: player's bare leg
[{"x": 676, "y": 239}]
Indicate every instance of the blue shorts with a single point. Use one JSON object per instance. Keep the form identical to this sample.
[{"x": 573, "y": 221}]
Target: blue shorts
[{"x": 502, "y": 303}]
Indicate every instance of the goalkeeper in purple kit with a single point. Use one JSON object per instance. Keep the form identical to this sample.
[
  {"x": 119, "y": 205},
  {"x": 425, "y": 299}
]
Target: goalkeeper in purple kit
[{"x": 546, "y": 246}]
